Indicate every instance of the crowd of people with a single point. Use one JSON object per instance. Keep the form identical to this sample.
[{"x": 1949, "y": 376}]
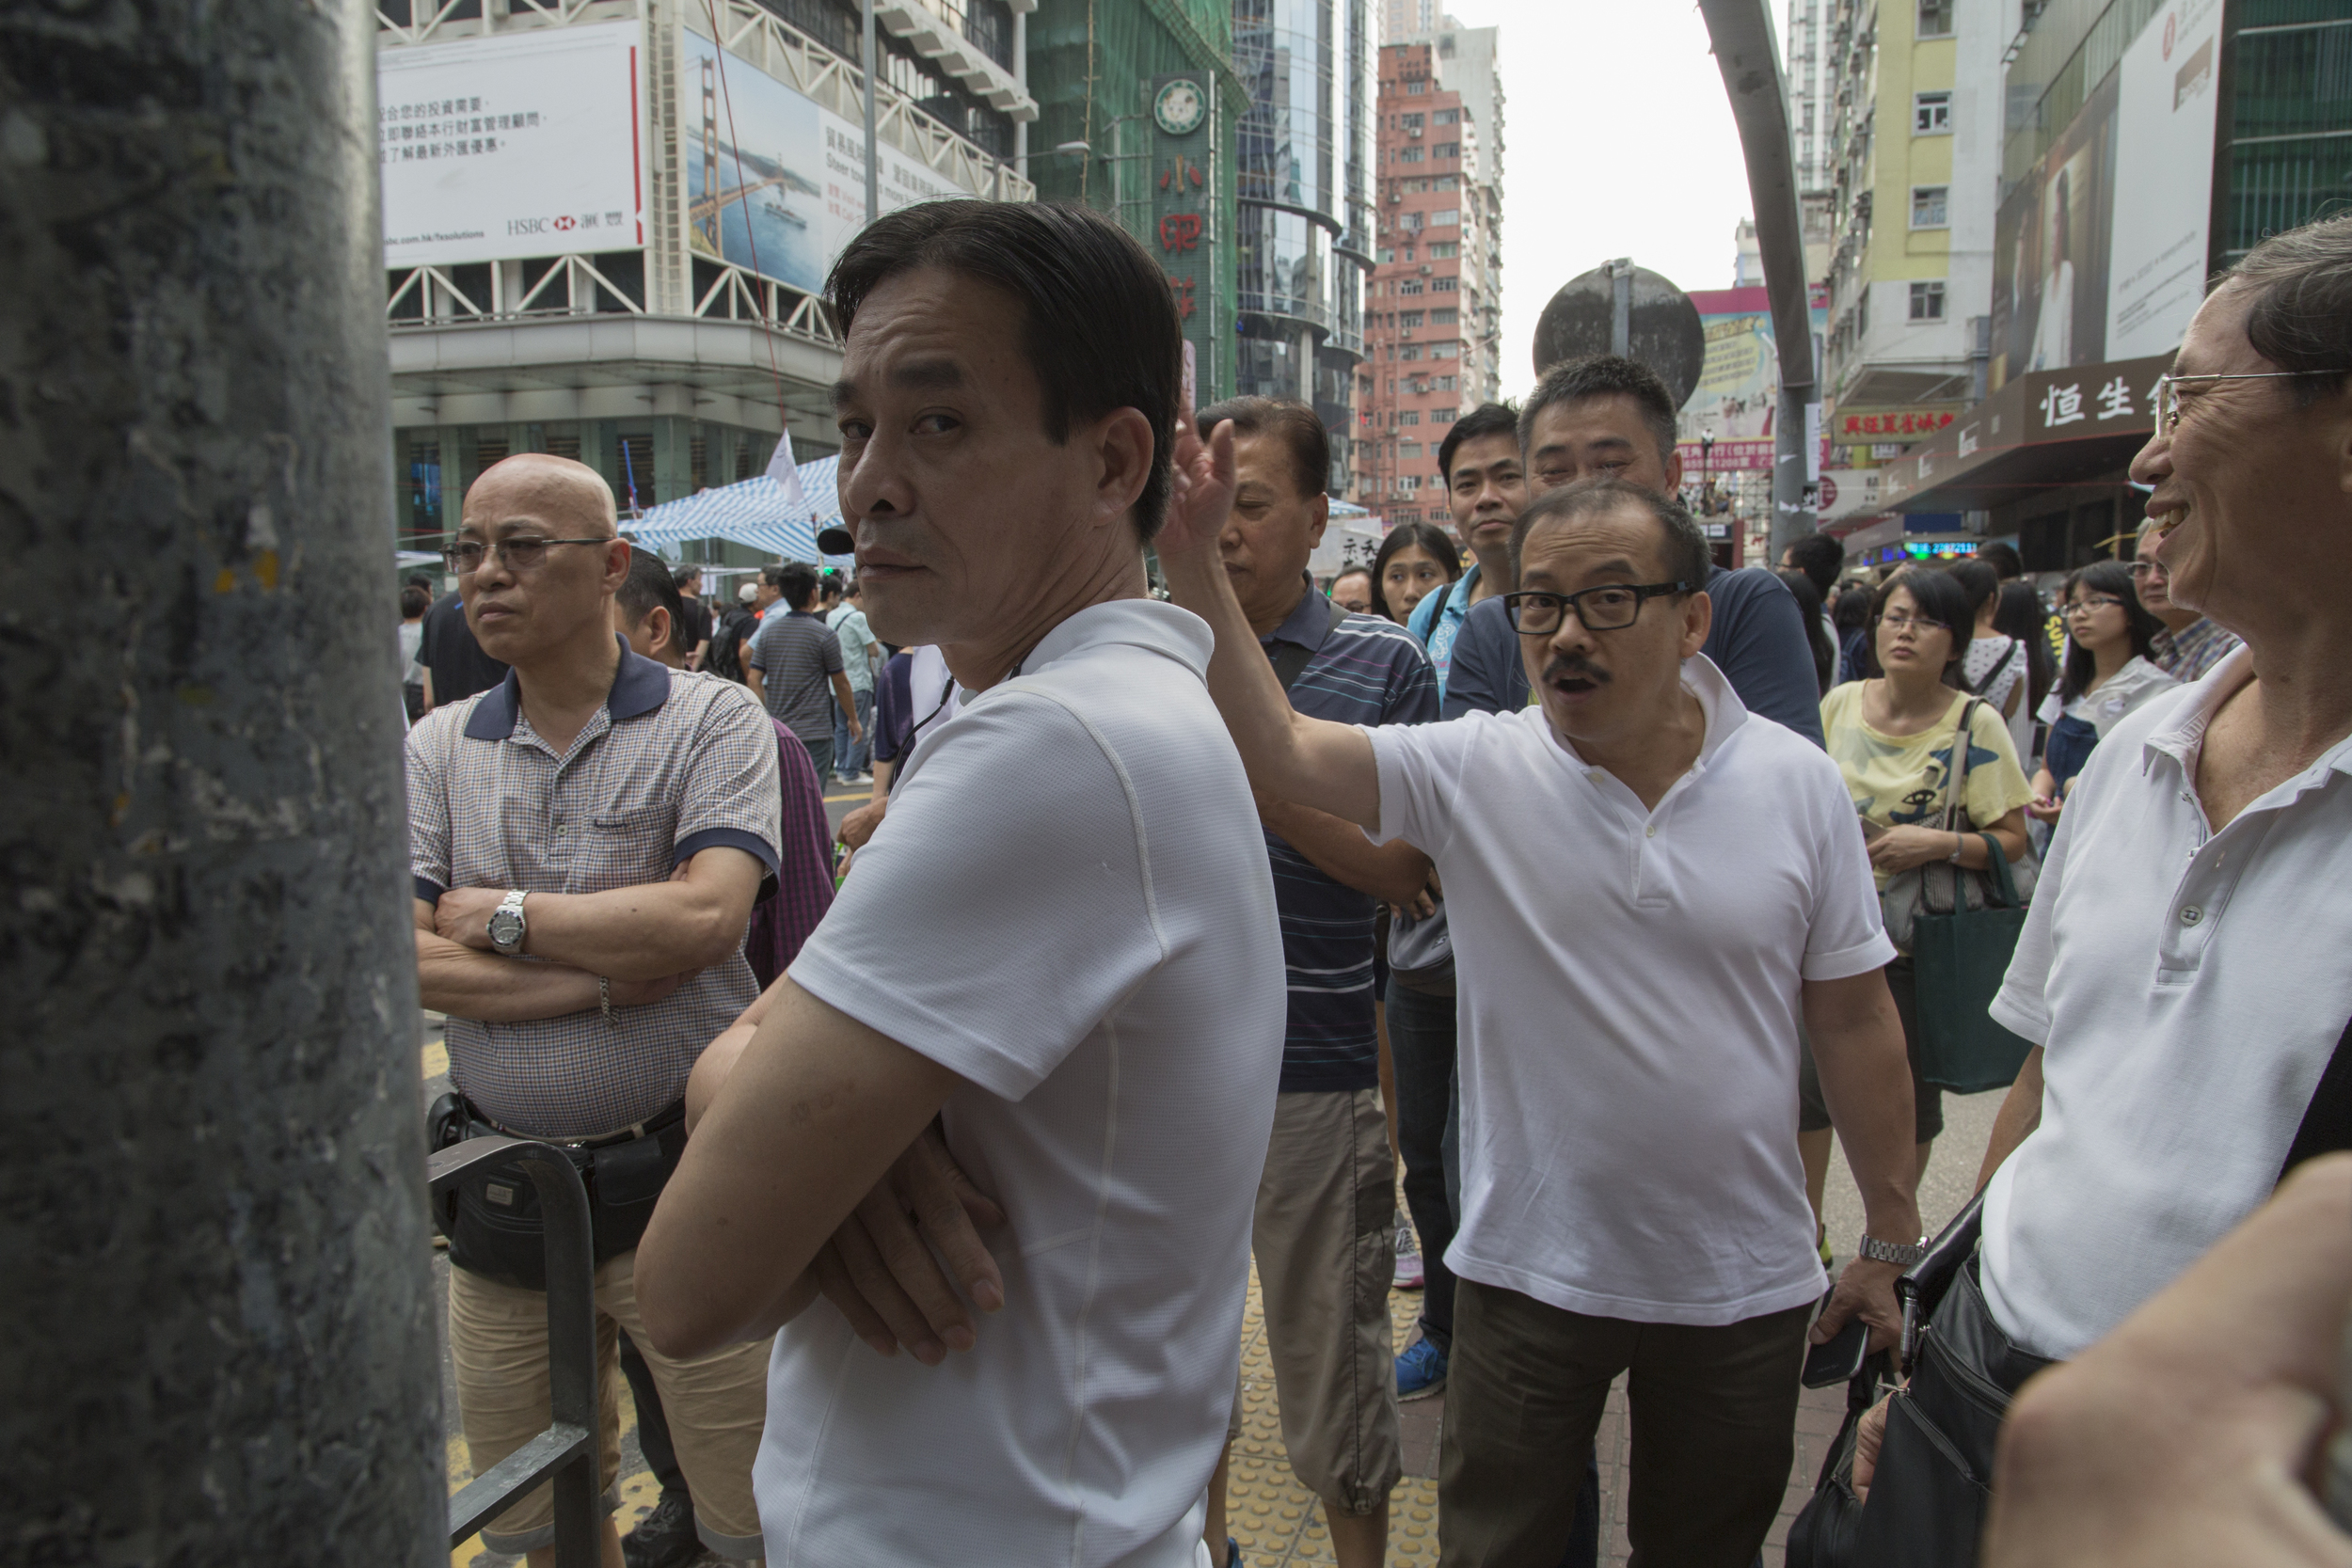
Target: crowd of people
[{"x": 1547, "y": 868}]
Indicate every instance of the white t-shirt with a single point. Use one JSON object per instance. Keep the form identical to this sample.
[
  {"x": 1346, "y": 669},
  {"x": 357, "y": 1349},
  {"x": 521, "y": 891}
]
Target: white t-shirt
[
  {"x": 2187, "y": 991},
  {"x": 1630, "y": 985},
  {"x": 1069, "y": 904}
]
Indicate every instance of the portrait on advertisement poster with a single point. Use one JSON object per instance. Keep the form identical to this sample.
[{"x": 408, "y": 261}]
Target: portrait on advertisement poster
[{"x": 2051, "y": 248}]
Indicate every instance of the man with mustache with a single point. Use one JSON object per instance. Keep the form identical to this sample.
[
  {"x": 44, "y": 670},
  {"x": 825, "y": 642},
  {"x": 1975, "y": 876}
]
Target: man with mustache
[{"x": 1648, "y": 887}]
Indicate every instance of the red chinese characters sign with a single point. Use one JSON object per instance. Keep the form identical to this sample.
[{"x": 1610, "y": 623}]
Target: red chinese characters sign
[{"x": 1853, "y": 425}]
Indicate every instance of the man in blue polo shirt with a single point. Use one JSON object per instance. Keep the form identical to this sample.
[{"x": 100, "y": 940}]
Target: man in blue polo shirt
[
  {"x": 1486, "y": 488},
  {"x": 1326, "y": 1209}
]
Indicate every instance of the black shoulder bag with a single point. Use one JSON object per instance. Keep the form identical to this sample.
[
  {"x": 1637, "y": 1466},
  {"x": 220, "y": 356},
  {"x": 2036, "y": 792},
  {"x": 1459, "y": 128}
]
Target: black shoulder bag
[{"x": 1934, "y": 1473}]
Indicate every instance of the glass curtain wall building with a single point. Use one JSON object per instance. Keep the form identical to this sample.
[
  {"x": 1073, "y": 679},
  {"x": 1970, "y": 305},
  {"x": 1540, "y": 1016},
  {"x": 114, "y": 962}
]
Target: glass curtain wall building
[{"x": 1303, "y": 245}]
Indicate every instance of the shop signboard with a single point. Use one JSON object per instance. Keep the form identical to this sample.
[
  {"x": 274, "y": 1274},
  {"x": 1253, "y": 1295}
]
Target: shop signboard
[
  {"x": 524, "y": 143},
  {"x": 1738, "y": 396}
]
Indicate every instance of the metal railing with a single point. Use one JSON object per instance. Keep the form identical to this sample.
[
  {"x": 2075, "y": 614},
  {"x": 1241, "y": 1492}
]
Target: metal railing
[{"x": 566, "y": 1450}]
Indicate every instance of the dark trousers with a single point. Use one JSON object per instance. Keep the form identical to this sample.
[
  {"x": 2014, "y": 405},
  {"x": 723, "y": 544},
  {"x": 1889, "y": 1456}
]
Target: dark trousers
[
  {"x": 1713, "y": 1413},
  {"x": 820, "y": 753},
  {"x": 1421, "y": 1045},
  {"x": 653, "y": 1428}
]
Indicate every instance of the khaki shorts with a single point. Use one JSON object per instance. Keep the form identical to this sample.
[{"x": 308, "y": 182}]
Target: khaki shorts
[
  {"x": 716, "y": 1404},
  {"x": 1325, "y": 1237}
]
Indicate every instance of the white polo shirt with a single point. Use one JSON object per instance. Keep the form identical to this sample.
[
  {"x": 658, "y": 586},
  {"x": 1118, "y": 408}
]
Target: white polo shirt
[
  {"x": 2187, "y": 988},
  {"x": 1069, "y": 904},
  {"x": 1630, "y": 986}
]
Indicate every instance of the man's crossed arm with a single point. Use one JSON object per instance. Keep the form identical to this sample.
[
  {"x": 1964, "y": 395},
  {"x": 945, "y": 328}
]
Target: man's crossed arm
[
  {"x": 813, "y": 1165},
  {"x": 647, "y": 941}
]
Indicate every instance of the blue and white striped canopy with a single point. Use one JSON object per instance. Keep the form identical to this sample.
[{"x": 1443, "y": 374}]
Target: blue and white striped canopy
[
  {"x": 751, "y": 512},
  {"x": 754, "y": 511}
]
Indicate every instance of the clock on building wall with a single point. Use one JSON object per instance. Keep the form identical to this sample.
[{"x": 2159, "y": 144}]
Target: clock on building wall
[{"x": 1180, "y": 107}]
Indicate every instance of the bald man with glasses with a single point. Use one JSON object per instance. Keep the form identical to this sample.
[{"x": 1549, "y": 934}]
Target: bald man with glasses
[{"x": 587, "y": 838}]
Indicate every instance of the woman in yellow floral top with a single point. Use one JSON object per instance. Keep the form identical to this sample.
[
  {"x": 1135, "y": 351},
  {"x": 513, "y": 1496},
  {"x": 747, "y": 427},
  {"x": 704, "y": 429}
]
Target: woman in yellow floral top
[{"x": 1891, "y": 736}]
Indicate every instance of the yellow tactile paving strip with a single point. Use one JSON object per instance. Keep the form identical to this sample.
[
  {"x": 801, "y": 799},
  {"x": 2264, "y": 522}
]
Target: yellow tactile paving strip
[{"x": 1277, "y": 1521}]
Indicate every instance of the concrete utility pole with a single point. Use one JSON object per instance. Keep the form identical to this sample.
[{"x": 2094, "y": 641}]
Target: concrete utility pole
[
  {"x": 221, "y": 1347},
  {"x": 1742, "y": 32}
]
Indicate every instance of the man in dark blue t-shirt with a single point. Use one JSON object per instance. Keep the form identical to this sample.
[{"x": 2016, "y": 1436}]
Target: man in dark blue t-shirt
[
  {"x": 1324, "y": 1231},
  {"x": 1607, "y": 418}
]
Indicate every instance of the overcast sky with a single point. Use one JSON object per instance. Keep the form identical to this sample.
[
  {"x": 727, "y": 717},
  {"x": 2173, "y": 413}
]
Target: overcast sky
[{"x": 1619, "y": 143}]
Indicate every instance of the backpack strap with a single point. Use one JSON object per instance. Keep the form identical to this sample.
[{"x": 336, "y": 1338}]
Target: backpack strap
[
  {"x": 2328, "y": 1120},
  {"x": 1290, "y": 659}
]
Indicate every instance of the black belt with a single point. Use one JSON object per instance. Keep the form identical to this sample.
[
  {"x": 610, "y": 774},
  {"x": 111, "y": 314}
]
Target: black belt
[{"x": 668, "y": 1116}]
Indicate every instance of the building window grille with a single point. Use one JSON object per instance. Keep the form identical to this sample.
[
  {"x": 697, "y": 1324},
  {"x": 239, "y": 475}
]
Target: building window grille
[
  {"x": 1930, "y": 206},
  {"x": 1927, "y": 302},
  {"x": 1935, "y": 19}
]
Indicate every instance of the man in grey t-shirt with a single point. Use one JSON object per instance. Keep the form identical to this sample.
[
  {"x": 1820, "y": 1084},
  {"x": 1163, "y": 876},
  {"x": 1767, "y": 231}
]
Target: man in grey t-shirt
[{"x": 791, "y": 663}]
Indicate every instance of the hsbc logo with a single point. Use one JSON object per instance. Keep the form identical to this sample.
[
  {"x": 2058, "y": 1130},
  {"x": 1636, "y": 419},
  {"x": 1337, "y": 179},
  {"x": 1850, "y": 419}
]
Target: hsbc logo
[{"x": 566, "y": 223}]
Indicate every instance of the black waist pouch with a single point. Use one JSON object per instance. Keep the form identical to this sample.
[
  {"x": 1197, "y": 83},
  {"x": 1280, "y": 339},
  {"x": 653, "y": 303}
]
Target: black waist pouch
[{"x": 491, "y": 1216}]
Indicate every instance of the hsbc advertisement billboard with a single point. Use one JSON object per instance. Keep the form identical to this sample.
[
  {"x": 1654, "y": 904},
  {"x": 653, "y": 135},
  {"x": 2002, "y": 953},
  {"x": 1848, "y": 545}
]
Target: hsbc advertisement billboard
[{"x": 526, "y": 144}]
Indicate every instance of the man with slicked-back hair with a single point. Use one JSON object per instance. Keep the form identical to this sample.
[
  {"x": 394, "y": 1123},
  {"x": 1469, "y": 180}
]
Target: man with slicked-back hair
[{"x": 1058, "y": 951}]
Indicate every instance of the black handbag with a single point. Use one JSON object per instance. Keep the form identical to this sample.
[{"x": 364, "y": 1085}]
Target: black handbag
[
  {"x": 1829, "y": 1531},
  {"x": 1934, "y": 1474},
  {"x": 492, "y": 1218}
]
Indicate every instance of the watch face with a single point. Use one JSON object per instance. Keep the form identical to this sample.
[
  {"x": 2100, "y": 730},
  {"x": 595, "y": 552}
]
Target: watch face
[
  {"x": 507, "y": 925},
  {"x": 1179, "y": 108}
]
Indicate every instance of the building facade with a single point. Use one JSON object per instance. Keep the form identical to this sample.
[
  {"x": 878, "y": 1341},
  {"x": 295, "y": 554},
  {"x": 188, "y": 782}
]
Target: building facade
[
  {"x": 2148, "y": 145},
  {"x": 1433, "y": 319},
  {"x": 1138, "y": 115},
  {"x": 607, "y": 232},
  {"x": 1303, "y": 248},
  {"x": 1914, "y": 150}
]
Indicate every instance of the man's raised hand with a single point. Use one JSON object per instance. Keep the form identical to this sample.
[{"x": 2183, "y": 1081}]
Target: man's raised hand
[{"x": 1201, "y": 497}]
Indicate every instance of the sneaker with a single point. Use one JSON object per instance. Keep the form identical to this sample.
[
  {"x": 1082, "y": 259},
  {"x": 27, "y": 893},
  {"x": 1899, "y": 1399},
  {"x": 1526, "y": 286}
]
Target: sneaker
[
  {"x": 664, "y": 1538},
  {"x": 1420, "y": 1371},
  {"x": 1409, "y": 1274}
]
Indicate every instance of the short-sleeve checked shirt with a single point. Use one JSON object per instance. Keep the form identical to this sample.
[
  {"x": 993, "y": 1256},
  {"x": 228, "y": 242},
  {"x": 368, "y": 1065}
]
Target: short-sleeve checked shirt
[{"x": 672, "y": 765}]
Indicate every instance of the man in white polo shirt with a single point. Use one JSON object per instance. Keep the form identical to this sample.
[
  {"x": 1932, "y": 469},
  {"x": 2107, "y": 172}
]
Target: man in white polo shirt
[
  {"x": 1649, "y": 887},
  {"x": 1061, "y": 943},
  {"x": 2186, "y": 972}
]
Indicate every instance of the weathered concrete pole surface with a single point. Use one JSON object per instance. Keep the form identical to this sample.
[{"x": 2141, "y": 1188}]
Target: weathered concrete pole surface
[{"x": 219, "y": 1347}]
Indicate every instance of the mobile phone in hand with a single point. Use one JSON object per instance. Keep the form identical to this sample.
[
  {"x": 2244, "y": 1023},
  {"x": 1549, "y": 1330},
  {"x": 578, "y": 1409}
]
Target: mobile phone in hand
[{"x": 1840, "y": 1358}]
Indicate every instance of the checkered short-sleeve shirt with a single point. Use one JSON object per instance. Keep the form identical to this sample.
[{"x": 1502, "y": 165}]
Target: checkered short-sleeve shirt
[{"x": 673, "y": 765}]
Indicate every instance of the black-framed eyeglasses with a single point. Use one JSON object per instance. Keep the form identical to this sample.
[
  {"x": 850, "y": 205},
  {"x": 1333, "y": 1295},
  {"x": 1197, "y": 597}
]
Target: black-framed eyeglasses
[
  {"x": 1611, "y": 608},
  {"x": 520, "y": 554},
  {"x": 1909, "y": 623}
]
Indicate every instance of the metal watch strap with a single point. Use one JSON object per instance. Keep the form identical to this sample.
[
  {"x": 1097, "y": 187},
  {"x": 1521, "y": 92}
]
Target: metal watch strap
[
  {"x": 1897, "y": 1253},
  {"x": 510, "y": 905}
]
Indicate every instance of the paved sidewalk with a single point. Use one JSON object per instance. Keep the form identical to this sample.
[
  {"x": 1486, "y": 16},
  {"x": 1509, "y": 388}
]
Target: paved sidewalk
[{"x": 1277, "y": 1521}]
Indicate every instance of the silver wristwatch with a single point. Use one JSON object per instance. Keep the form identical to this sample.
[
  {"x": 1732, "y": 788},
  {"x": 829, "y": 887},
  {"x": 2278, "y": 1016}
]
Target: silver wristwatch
[
  {"x": 506, "y": 924},
  {"x": 1891, "y": 1252}
]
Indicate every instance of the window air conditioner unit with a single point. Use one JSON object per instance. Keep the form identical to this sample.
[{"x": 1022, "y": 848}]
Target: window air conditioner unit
[
  {"x": 1414, "y": 133},
  {"x": 1425, "y": 269}
]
